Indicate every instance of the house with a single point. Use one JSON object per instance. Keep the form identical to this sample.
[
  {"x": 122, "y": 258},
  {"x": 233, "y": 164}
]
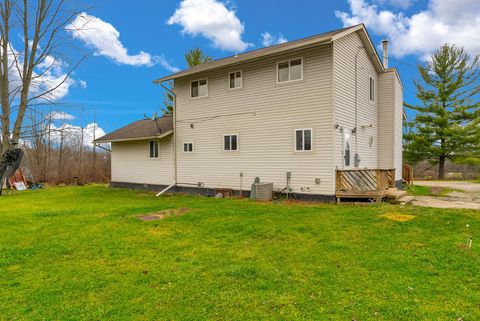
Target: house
[{"x": 299, "y": 114}]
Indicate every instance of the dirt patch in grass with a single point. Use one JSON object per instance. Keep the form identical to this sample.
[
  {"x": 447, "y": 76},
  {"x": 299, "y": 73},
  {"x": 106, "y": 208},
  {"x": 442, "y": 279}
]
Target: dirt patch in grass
[
  {"x": 398, "y": 217},
  {"x": 163, "y": 214}
]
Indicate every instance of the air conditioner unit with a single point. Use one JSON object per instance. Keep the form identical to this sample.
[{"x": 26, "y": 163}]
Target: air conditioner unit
[{"x": 262, "y": 191}]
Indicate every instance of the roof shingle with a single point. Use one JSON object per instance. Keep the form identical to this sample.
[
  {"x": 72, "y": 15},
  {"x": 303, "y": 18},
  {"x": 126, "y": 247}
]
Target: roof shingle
[
  {"x": 141, "y": 129},
  {"x": 258, "y": 53}
]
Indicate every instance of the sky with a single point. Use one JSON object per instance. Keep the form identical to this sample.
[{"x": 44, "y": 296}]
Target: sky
[{"x": 128, "y": 46}]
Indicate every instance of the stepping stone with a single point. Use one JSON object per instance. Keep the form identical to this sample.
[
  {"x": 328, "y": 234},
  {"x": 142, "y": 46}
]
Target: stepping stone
[{"x": 406, "y": 199}]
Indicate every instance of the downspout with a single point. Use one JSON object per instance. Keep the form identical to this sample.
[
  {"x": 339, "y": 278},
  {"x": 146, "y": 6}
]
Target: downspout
[{"x": 174, "y": 140}]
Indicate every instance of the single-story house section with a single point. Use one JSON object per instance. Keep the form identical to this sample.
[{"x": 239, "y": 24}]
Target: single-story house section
[
  {"x": 319, "y": 117},
  {"x": 142, "y": 153}
]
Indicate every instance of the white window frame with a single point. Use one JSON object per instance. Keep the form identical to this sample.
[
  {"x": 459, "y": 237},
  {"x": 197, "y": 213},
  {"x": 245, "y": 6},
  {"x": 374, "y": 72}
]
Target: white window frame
[
  {"x": 289, "y": 81},
  {"x": 187, "y": 151},
  {"x": 155, "y": 141},
  {"x": 371, "y": 89},
  {"x": 303, "y": 150},
  {"x": 198, "y": 80},
  {"x": 241, "y": 82},
  {"x": 238, "y": 143}
]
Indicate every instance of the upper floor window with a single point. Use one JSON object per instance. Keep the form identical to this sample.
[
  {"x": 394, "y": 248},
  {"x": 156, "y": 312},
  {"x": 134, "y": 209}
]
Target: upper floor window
[
  {"x": 154, "y": 149},
  {"x": 188, "y": 147},
  {"x": 303, "y": 140},
  {"x": 235, "y": 80},
  {"x": 290, "y": 70},
  {"x": 199, "y": 88},
  {"x": 230, "y": 142},
  {"x": 372, "y": 89}
]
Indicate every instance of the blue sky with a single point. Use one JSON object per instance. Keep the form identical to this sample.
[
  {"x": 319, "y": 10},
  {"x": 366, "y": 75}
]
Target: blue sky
[{"x": 115, "y": 81}]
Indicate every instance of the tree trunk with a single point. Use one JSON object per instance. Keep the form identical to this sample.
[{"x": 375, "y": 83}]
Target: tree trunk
[{"x": 441, "y": 167}]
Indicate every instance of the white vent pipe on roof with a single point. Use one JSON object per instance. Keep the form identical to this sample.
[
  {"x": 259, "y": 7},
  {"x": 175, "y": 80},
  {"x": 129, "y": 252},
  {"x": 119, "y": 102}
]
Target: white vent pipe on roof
[{"x": 385, "y": 53}]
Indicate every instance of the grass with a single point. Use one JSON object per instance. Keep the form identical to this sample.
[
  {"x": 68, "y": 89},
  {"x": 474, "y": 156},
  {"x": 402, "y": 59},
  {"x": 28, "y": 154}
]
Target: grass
[
  {"x": 419, "y": 190},
  {"x": 82, "y": 254}
]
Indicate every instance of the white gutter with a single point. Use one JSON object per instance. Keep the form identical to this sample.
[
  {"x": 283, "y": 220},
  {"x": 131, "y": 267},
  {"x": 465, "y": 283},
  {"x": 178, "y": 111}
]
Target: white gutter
[
  {"x": 134, "y": 138},
  {"x": 166, "y": 189}
]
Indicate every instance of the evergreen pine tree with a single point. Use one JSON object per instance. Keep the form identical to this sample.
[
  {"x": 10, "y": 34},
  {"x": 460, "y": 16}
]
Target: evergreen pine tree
[{"x": 447, "y": 121}]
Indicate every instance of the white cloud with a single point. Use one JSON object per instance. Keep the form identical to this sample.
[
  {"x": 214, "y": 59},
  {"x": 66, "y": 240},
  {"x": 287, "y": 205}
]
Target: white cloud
[
  {"x": 55, "y": 78},
  {"x": 268, "y": 39},
  {"x": 104, "y": 39},
  {"x": 82, "y": 83},
  {"x": 75, "y": 135},
  {"x": 162, "y": 61},
  {"x": 60, "y": 115},
  {"x": 213, "y": 20},
  {"x": 421, "y": 33},
  {"x": 50, "y": 77}
]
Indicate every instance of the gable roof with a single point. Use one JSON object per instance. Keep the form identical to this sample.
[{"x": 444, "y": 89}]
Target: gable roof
[
  {"x": 326, "y": 37},
  {"x": 140, "y": 130}
]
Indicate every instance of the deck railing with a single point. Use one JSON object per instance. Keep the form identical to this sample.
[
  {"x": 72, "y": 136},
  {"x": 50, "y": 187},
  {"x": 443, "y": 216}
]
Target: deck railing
[{"x": 364, "y": 182}]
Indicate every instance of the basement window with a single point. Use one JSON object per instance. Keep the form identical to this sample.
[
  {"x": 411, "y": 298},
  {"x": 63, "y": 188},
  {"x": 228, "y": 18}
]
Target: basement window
[
  {"x": 199, "y": 88},
  {"x": 235, "y": 80},
  {"x": 153, "y": 149},
  {"x": 188, "y": 147},
  {"x": 290, "y": 70},
  {"x": 303, "y": 140},
  {"x": 230, "y": 142},
  {"x": 372, "y": 89}
]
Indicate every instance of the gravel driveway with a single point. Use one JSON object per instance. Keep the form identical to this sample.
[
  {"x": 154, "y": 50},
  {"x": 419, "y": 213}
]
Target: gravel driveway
[
  {"x": 461, "y": 185},
  {"x": 467, "y": 196}
]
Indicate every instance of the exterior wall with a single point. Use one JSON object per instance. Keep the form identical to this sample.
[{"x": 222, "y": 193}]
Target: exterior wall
[
  {"x": 264, "y": 114},
  {"x": 398, "y": 128},
  {"x": 131, "y": 162},
  {"x": 386, "y": 120},
  {"x": 390, "y": 123},
  {"x": 344, "y": 52}
]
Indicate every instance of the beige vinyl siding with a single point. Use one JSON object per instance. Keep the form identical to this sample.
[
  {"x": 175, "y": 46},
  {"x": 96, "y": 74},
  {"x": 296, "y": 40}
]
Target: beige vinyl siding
[
  {"x": 386, "y": 120},
  {"x": 344, "y": 51},
  {"x": 131, "y": 162},
  {"x": 398, "y": 128},
  {"x": 390, "y": 122},
  {"x": 264, "y": 115}
]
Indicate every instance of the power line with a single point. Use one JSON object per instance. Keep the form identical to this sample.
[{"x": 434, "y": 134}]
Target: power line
[{"x": 204, "y": 119}]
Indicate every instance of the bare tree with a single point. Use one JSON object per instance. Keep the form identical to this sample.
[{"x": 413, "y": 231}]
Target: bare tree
[{"x": 41, "y": 25}]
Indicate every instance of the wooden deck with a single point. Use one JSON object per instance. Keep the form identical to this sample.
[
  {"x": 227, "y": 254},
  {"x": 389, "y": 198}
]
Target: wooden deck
[{"x": 364, "y": 183}]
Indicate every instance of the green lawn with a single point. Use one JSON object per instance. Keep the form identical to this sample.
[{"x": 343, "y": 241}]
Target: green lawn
[
  {"x": 419, "y": 190},
  {"x": 81, "y": 254}
]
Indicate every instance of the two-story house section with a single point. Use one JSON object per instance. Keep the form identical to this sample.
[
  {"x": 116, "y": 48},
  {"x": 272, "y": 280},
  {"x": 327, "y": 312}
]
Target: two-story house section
[{"x": 293, "y": 114}]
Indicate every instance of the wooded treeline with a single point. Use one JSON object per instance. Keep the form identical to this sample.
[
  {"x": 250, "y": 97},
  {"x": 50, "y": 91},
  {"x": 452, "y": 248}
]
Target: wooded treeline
[
  {"x": 63, "y": 153},
  {"x": 67, "y": 165}
]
